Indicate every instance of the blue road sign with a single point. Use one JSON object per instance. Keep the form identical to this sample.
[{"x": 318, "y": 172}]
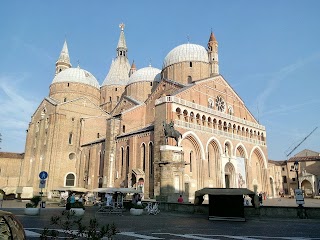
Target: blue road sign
[{"x": 43, "y": 175}]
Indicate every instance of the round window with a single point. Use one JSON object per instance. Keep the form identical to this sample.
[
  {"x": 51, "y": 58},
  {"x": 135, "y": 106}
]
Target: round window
[{"x": 72, "y": 156}]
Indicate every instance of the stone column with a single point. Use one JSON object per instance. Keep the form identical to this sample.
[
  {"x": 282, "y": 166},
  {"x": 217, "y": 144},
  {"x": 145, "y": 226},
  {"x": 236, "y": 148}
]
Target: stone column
[{"x": 171, "y": 172}]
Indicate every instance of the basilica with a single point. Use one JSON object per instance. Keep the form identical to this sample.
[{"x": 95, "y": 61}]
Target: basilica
[{"x": 166, "y": 131}]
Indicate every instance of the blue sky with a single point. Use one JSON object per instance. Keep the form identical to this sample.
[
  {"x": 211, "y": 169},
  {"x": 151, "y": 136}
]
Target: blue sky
[{"x": 269, "y": 52}]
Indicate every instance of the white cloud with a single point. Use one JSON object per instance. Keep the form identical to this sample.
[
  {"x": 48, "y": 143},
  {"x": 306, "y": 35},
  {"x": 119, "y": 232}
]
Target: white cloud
[
  {"x": 16, "y": 110},
  {"x": 279, "y": 76}
]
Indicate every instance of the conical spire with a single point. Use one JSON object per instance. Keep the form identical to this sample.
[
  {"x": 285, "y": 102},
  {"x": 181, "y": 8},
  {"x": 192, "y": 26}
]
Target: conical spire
[
  {"x": 120, "y": 67},
  {"x": 212, "y": 37},
  {"x": 133, "y": 68},
  {"x": 122, "y": 46},
  {"x": 63, "y": 61}
]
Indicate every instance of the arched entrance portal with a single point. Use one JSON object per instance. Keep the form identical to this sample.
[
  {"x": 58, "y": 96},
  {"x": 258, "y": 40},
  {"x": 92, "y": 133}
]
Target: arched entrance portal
[{"x": 229, "y": 175}]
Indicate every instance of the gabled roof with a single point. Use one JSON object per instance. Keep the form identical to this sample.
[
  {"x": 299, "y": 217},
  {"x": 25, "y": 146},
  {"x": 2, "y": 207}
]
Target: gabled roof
[
  {"x": 142, "y": 130},
  {"x": 94, "y": 142},
  {"x": 304, "y": 159},
  {"x": 130, "y": 99},
  {"x": 11, "y": 155}
]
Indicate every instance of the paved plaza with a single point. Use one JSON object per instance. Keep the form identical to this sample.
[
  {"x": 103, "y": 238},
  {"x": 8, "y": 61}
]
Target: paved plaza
[
  {"x": 291, "y": 202},
  {"x": 176, "y": 225}
]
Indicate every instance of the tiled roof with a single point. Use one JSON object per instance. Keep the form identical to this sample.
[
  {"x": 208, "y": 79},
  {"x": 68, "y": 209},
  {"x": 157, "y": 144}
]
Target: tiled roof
[
  {"x": 304, "y": 159},
  {"x": 11, "y": 155}
]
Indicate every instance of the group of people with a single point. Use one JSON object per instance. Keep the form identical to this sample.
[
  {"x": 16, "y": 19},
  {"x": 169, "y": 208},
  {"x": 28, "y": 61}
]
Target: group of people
[
  {"x": 136, "y": 198},
  {"x": 71, "y": 198}
]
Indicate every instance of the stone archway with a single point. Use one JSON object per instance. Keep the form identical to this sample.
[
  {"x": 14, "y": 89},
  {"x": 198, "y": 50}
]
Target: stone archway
[
  {"x": 193, "y": 149},
  {"x": 229, "y": 176},
  {"x": 306, "y": 186}
]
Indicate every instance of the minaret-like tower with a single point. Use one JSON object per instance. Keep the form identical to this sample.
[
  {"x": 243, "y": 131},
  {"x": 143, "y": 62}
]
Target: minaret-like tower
[
  {"x": 122, "y": 46},
  {"x": 117, "y": 78},
  {"x": 213, "y": 55},
  {"x": 133, "y": 68},
  {"x": 63, "y": 61}
]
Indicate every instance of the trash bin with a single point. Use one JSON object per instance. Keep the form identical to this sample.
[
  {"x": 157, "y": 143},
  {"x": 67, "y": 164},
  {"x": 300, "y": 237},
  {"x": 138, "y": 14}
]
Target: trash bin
[{"x": 43, "y": 204}]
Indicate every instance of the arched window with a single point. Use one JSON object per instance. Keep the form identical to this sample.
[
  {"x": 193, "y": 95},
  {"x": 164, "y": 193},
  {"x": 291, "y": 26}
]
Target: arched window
[
  {"x": 151, "y": 158},
  {"x": 128, "y": 158},
  {"x": 70, "y": 138},
  {"x": 70, "y": 180},
  {"x": 143, "y": 156},
  {"x": 189, "y": 79},
  {"x": 101, "y": 164},
  {"x": 190, "y": 160},
  {"x": 210, "y": 103},
  {"x": 122, "y": 161}
]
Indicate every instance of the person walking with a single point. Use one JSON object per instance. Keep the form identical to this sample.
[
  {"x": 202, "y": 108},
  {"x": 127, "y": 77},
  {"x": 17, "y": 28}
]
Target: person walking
[
  {"x": 180, "y": 199},
  {"x": 1, "y": 199}
]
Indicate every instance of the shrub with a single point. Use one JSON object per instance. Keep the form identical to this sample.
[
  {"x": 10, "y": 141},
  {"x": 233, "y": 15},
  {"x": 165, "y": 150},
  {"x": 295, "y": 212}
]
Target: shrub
[
  {"x": 138, "y": 206},
  {"x": 73, "y": 228},
  {"x": 77, "y": 205},
  {"x": 34, "y": 202}
]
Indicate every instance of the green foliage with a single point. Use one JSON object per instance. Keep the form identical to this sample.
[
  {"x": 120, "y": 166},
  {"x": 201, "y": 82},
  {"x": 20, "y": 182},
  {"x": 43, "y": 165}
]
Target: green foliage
[
  {"x": 74, "y": 228},
  {"x": 34, "y": 202},
  {"x": 77, "y": 205},
  {"x": 138, "y": 206}
]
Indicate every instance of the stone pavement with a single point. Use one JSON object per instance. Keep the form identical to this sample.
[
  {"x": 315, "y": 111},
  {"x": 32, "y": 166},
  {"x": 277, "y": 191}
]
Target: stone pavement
[{"x": 284, "y": 202}]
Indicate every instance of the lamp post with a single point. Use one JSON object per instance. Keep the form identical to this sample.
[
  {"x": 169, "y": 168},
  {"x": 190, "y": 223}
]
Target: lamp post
[
  {"x": 298, "y": 192},
  {"x": 295, "y": 168}
]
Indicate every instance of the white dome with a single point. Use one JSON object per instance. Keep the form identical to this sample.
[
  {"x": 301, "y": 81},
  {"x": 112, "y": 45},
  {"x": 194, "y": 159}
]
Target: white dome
[
  {"x": 186, "y": 52},
  {"x": 77, "y": 75},
  {"x": 147, "y": 74}
]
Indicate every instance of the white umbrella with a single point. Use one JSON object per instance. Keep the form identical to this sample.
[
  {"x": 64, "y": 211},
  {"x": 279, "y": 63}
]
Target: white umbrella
[{"x": 113, "y": 190}]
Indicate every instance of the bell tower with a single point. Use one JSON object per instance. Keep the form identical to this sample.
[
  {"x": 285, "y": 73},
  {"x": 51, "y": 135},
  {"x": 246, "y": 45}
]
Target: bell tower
[
  {"x": 63, "y": 61},
  {"x": 213, "y": 55}
]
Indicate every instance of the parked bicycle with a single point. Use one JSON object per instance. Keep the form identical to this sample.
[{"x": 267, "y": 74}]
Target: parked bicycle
[{"x": 152, "y": 208}]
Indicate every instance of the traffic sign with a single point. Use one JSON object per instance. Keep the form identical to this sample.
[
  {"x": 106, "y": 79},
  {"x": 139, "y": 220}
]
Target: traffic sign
[
  {"x": 299, "y": 196},
  {"x": 43, "y": 175},
  {"x": 42, "y": 183}
]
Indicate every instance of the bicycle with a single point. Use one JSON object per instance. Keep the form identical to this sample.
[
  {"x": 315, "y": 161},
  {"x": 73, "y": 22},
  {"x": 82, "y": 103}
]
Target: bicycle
[{"x": 152, "y": 208}]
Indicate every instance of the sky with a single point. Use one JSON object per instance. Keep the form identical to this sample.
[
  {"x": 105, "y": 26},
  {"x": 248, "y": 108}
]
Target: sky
[{"x": 269, "y": 52}]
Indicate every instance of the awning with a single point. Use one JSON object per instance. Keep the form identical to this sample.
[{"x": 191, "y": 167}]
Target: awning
[
  {"x": 9, "y": 190},
  {"x": 223, "y": 191},
  {"x": 72, "y": 189},
  {"x": 114, "y": 190}
]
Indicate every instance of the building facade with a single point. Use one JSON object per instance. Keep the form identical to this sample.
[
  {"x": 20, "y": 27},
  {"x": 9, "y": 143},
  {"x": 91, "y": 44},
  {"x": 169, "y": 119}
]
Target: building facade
[{"x": 91, "y": 136}]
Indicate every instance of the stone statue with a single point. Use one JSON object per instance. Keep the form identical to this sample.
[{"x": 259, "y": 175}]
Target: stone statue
[{"x": 169, "y": 131}]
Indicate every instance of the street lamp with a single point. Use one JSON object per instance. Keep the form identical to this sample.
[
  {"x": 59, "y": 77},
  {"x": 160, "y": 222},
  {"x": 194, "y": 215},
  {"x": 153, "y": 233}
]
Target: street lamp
[{"x": 295, "y": 168}]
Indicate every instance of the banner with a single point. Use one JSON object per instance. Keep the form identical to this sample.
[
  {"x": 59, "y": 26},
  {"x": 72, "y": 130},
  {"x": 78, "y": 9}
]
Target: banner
[{"x": 241, "y": 173}]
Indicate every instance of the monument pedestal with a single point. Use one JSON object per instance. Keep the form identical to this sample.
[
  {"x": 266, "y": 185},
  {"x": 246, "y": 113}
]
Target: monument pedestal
[{"x": 171, "y": 169}]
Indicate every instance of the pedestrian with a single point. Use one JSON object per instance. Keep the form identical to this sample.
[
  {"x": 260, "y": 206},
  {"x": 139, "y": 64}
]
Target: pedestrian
[
  {"x": 108, "y": 197},
  {"x": 73, "y": 198},
  {"x": 80, "y": 199},
  {"x": 68, "y": 204},
  {"x": 260, "y": 198},
  {"x": 180, "y": 199},
  {"x": 1, "y": 199}
]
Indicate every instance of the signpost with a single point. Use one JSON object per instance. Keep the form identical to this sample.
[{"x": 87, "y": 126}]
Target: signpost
[
  {"x": 42, "y": 184},
  {"x": 299, "y": 196}
]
